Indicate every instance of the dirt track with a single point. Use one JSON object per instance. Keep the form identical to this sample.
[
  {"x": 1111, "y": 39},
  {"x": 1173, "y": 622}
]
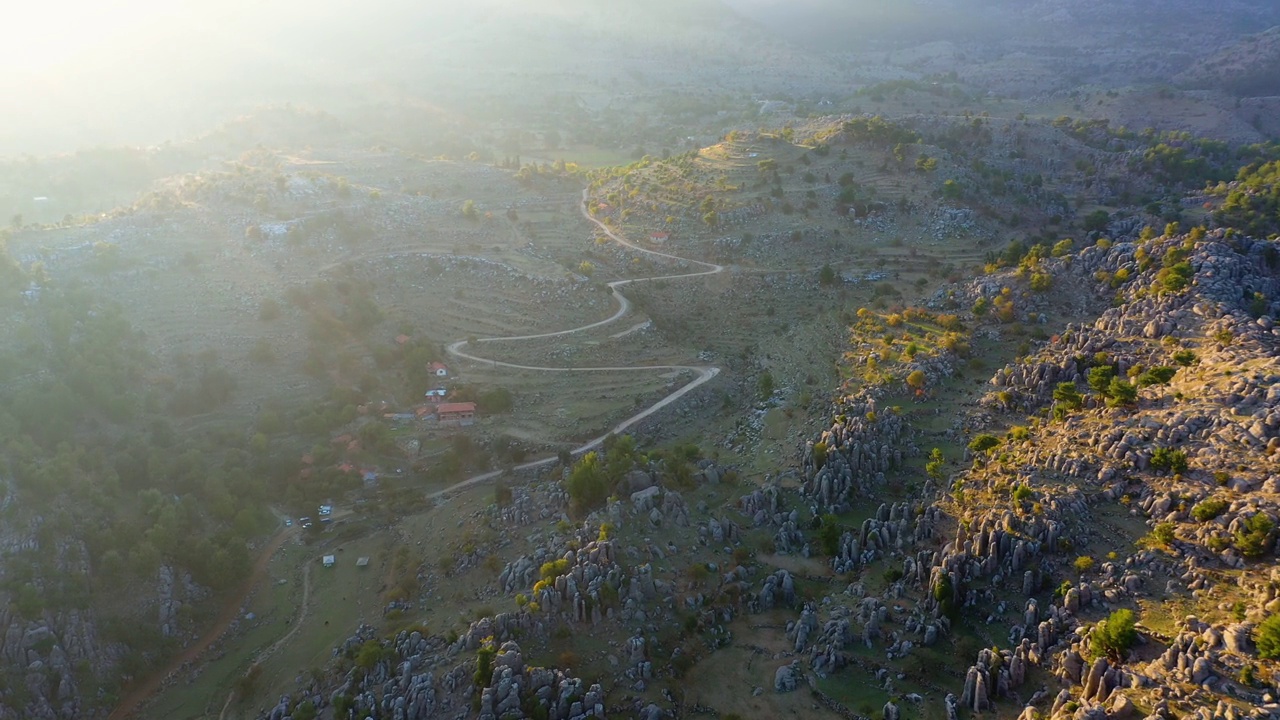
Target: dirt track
[
  {"x": 704, "y": 372},
  {"x": 144, "y": 690},
  {"x": 141, "y": 692}
]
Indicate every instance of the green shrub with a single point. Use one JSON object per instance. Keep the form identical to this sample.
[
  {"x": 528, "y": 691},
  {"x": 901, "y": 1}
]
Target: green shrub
[
  {"x": 1255, "y": 538},
  {"x": 1161, "y": 536},
  {"x": 1157, "y": 376},
  {"x": 1207, "y": 510},
  {"x": 829, "y": 534},
  {"x": 1100, "y": 378},
  {"x": 1267, "y": 638},
  {"x": 1022, "y": 493},
  {"x": 1163, "y": 458},
  {"x": 819, "y": 455},
  {"x": 942, "y": 593},
  {"x": 983, "y": 442},
  {"x": 551, "y": 570},
  {"x": 1176, "y": 276},
  {"x": 1121, "y": 393},
  {"x": 484, "y": 666},
  {"x": 934, "y": 466},
  {"x": 765, "y": 385},
  {"x": 1066, "y": 394},
  {"x": 370, "y": 654},
  {"x": 1112, "y": 637}
]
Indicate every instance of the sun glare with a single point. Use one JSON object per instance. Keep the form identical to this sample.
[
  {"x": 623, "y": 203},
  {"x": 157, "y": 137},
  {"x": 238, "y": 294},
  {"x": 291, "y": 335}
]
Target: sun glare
[
  {"x": 50, "y": 37},
  {"x": 40, "y": 37}
]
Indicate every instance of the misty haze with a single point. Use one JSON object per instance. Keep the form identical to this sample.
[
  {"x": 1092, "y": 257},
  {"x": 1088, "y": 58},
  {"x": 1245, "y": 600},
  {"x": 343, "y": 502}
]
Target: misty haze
[{"x": 567, "y": 359}]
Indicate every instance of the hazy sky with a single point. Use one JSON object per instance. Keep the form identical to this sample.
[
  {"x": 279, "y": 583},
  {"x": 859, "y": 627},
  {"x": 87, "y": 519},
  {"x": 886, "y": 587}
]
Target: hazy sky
[
  {"x": 38, "y": 36},
  {"x": 46, "y": 36},
  {"x": 84, "y": 72},
  {"x": 76, "y": 73}
]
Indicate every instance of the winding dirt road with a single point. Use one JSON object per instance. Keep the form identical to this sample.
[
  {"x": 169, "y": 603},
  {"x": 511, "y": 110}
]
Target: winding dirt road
[
  {"x": 143, "y": 691},
  {"x": 703, "y": 373}
]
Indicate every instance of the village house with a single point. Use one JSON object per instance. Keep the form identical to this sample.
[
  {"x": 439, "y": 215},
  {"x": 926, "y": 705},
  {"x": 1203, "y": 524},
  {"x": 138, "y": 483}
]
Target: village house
[
  {"x": 659, "y": 238},
  {"x": 439, "y": 369},
  {"x": 463, "y": 413}
]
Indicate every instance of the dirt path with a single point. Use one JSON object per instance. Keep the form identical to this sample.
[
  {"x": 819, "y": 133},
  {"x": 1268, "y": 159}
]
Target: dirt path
[
  {"x": 143, "y": 691},
  {"x": 703, "y": 373},
  {"x": 297, "y": 625}
]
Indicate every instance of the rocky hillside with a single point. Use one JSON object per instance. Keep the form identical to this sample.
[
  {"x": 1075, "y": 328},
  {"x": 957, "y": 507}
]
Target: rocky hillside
[
  {"x": 1163, "y": 410},
  {"x": 1108, "y": 549},
  {"x": 1249, "y": 68}
]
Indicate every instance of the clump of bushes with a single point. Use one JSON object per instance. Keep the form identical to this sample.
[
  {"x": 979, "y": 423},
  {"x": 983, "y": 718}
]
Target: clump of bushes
[
  {"x": 1255, "y": 538},
  {"x": 1207, "y": 510},
  {"x": 1168, "y": 459}
]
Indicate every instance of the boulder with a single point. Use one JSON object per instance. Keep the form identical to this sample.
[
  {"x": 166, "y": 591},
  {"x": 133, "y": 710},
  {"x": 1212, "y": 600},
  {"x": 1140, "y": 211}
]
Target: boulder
[
  {"x": 787, "y": 678},
  {"x": 637, "y": 481}
]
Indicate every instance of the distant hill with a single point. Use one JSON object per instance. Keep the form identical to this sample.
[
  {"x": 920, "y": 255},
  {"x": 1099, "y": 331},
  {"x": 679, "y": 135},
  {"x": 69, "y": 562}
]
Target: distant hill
[
  {"x": 498, "y": 57},
  {"x": 848, "y": 25},
  {"x": 1249, "y": 68}
]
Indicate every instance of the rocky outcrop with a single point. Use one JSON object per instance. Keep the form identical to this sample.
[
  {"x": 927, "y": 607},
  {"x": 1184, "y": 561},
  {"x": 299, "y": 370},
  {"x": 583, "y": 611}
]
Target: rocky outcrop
[{"x": 844, "y": 462}]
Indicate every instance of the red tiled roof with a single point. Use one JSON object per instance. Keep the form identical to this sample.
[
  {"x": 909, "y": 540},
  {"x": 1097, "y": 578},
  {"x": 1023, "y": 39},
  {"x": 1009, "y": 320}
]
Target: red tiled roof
[{"x": 456, "y": 407}]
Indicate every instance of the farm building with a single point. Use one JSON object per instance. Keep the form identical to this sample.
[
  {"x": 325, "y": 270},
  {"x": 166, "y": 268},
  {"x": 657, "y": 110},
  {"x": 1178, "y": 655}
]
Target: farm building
[
  {"x": 659, "y": 238},
  {"x": 463, "y": 413},
  {"x": 439, "y": 369},
  {"x": 362, "y": 561},
  {"x": 328, "y": 560}
]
